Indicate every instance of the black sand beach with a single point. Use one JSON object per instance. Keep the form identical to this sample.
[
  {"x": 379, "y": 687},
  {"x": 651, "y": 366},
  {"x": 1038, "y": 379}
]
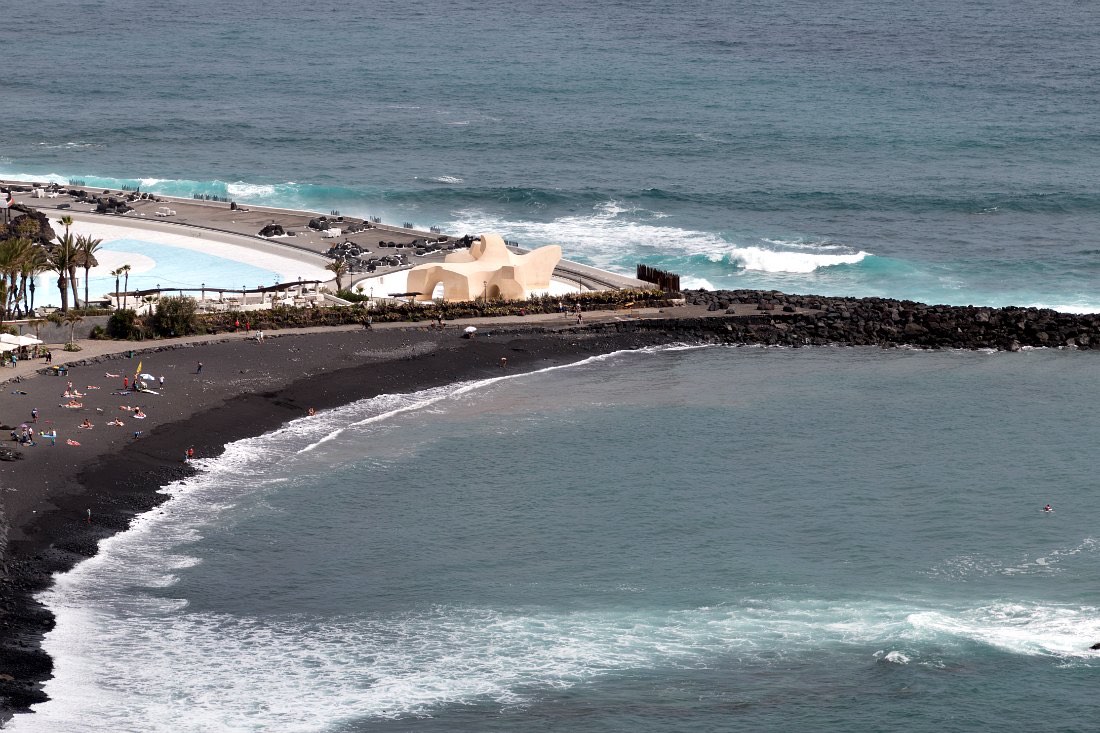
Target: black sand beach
[{"x": 245, "y": 388}]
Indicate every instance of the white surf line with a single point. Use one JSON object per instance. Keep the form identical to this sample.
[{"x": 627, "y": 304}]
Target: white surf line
[{"x": 461, "y": 388}]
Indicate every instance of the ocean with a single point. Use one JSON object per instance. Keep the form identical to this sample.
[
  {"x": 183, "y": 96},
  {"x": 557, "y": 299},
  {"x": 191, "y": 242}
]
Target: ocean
[
  {"x": 703, "y": 539},
  {"x": 678, "y": 540},
  {"x": 942, "y": 152}
]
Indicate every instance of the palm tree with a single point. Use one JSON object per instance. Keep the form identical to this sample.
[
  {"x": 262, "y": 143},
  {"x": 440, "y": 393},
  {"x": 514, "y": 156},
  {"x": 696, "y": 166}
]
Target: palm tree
[
  {"x": 126, "y": 298},
  {"x": 116, "y": 273},
  {"x": 71, "y": 319},
  {"x": 14, "y": 253},
  {"x": 61, "y": 259},
  {"x": 73, "y": 264},
  {"x": 338, "y": 268},
  {"x": 35, "y": 265},
  {"x": 87, "y": 246},
  {"x": 66, "y": 221}
]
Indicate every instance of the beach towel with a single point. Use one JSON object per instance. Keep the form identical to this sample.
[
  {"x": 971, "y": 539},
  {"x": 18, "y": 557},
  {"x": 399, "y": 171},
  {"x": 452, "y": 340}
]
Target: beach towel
[{"x": 70, "y": 441}]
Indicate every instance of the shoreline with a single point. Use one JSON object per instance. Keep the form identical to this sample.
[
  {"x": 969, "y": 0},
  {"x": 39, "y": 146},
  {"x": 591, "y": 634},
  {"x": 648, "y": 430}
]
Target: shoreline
[
  {"x": 247, "y": 388},
  {"x": 49, "y": 531}
]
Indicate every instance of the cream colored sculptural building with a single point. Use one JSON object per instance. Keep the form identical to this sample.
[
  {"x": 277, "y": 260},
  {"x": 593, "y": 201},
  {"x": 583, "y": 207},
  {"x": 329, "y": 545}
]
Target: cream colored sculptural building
[{"x": 489, "y": 270}]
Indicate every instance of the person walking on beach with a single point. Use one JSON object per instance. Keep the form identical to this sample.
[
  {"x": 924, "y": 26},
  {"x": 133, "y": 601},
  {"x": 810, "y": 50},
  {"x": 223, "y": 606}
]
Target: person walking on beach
[
  {"x": 34, "y": 415},
  {"x": 125, "y": 383},
  {"x": 162, "y": 382},
  {"x": 199, "y": 370},
  {"x": 191, "y": 453}
]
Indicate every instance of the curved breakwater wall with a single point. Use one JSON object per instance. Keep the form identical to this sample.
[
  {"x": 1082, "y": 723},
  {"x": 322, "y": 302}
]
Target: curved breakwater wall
[{"x": 805, "y": 320}]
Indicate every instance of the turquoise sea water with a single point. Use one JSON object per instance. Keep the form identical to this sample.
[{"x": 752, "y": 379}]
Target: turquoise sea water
[
  {"x": 945, "y": 152},
  {"x": 709, "y": 539}
]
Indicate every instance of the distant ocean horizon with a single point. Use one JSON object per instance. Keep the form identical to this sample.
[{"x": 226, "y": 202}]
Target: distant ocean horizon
[{"x": 945, "y": 155}]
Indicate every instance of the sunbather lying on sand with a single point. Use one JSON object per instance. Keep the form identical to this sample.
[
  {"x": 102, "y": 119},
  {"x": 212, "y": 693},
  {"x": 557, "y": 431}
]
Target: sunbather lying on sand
[
  {"x": 72, "y": 404},
  {"x": 112, "y": 376},
  {"x": 86, "y": 425},
  {"x": 116, "y": 422}
]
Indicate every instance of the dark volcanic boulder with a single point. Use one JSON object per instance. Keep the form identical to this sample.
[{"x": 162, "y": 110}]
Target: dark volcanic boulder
[
  {"x": 31, "y": 223},
  {"x": 10, "y": 454},
  {"x": 272, "y": 230}
]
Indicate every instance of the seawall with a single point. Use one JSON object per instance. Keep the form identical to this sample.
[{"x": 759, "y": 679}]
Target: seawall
[{"x": 805, "y": 320}]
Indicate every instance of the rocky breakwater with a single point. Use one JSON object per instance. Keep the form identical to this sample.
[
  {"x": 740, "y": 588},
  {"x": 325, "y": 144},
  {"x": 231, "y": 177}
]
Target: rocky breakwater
[{"x": 778, "y": 319}]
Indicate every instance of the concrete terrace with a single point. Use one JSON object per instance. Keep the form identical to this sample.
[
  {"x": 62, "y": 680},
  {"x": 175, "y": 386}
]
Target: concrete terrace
[{"x": 202, "y": 218}]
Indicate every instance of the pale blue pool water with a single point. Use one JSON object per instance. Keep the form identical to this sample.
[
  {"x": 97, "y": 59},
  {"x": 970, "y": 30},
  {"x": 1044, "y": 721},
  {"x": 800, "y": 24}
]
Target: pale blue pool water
[{"x": 176, "y": 267}]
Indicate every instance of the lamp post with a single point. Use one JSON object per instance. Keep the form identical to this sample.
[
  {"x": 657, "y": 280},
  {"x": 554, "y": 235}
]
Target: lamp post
[
  {"x": 244, "y": 295},
  {"x": 204, "y": 291},
  {"x": 485, "y": 290}
]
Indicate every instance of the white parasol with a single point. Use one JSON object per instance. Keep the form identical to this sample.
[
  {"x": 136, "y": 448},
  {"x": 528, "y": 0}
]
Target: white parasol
[{"x": 8, "y": 338}]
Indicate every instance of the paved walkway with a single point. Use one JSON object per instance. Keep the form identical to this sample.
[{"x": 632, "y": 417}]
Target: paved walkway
[{"x": 89, "y": 348}]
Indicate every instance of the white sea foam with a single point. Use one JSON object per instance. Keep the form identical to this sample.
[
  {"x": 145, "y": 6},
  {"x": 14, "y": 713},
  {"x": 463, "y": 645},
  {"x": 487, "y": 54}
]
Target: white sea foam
[
  {"x": 35, "y": 177},
  {"x": 603, "y": 237},
  {"x": 614, "y": 229},
  {"x": 183, "y": 671},
  {"x": 696, "y": 283},
  {"x": 773, "y": 261},
  {"x": 1029, "y": 629},
  {"x": 1079, "y": 307},
  {"x": 241, "y": 189},
  {"x": 446, "y": 179}
]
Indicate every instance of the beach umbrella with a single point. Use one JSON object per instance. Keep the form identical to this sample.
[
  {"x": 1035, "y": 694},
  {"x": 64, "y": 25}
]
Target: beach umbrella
[
  {"x": 471, "y": 329},
  {"x": 5, "y": 346},
  {"x": 8, "y": 338}
]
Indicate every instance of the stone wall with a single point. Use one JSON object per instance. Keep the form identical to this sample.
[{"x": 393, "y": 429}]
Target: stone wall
[{"x": 797, "y": 320}]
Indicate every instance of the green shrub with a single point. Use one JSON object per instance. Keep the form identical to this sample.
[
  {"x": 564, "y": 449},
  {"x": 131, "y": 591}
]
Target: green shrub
[
  {"x": 175, "y": 317},
  {"x": 124, "y": 324},
  {"x": 353, "y": 297}
]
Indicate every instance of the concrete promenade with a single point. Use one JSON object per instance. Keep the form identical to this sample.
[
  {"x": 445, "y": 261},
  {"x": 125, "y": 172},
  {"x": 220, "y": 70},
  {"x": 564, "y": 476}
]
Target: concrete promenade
[{"x": 219, "y": 221}]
